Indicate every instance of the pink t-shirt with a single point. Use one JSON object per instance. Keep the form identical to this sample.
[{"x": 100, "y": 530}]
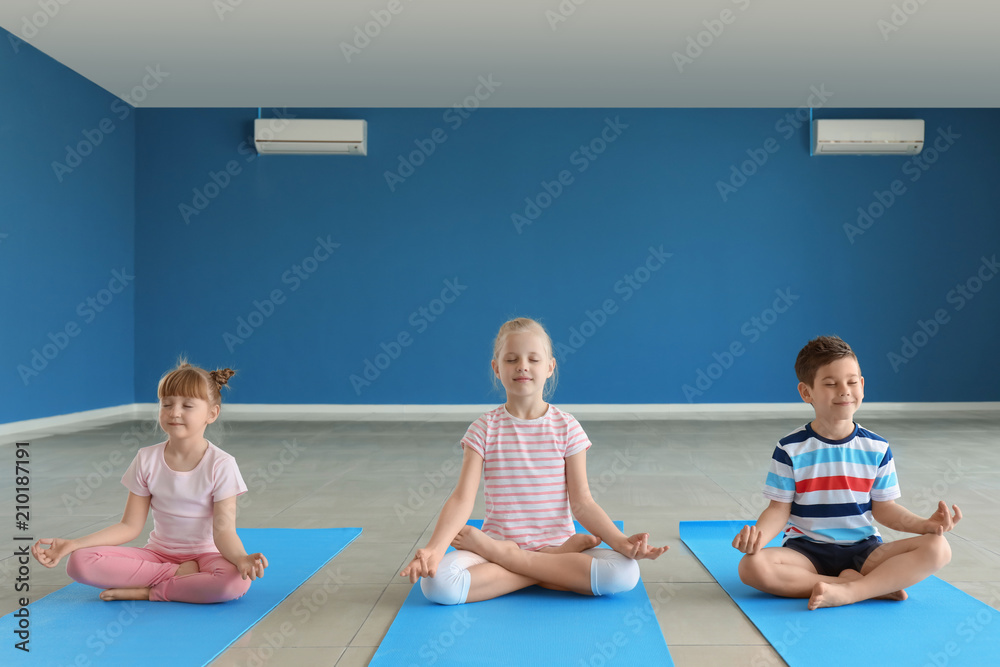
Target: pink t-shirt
[
  {"x": 182, "y": 502},
  {"x": 524, "y": 467}
]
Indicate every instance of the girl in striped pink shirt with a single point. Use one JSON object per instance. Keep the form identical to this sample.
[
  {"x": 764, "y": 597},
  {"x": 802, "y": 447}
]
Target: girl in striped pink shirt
[{"x": 532, "y": 457}]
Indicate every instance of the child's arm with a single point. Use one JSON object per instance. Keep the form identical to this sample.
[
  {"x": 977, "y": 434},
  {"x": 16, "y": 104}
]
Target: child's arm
[
  {"x": 455, "y": 513},
  {"x": 229, "y": 543},
  {"x": 126, "y": 530},
  {"x": 897, "y": 517},
  {"x": 772, "y": 521},
  {"x": 592, "y": 517}
]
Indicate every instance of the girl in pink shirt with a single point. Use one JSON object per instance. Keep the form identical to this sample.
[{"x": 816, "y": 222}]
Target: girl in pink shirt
[
  {"x": 193, "y": 553},
  {"x": 532, "y": 457}
]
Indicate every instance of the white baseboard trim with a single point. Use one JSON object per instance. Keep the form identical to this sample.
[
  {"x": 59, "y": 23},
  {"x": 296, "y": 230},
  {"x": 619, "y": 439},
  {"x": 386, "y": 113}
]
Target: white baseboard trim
[
  {"x": 592, "y": 411},
  {"x": 69, "y": 423},
  {"x": 75, "y": 421}
]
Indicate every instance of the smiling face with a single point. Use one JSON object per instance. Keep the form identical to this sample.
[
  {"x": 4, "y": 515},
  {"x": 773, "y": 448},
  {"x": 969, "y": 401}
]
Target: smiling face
[
  {"x": 837, "y": 390},
  {"x": 523, "y": 365},
  {"x": 183, "y": 417}
]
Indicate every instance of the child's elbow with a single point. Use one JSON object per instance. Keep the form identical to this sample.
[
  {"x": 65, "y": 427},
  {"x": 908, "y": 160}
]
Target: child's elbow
[
  {"x": 222, "y": 536},
  {"x": 580, "y": 503},
  {"x": 461, "y": 500},
  {"x": 132, "y": 531}
]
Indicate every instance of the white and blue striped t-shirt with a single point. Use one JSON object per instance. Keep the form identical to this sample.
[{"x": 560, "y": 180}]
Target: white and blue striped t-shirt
[{"x": 831, "y": 484}]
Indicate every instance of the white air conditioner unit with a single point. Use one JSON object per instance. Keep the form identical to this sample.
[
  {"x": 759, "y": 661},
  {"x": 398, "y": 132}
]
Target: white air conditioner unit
[
  {"x": 867, "y": 137},
  {"x": 310, "y": 136}
]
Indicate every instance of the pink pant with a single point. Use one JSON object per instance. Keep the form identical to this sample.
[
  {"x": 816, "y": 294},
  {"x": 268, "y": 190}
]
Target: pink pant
[{"x": 133, "y": 567}]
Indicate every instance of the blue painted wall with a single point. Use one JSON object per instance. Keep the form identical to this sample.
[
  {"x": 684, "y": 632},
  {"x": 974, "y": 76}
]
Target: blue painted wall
[
  {"x": 66, "y": 239},
  {"x": 675, "y": 255},
  {"x": 238, "y": 266}
]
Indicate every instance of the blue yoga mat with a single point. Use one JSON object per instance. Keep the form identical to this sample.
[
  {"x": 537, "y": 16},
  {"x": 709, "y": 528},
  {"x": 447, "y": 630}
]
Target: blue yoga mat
[
  {"x": 938, "y": 625},
  {"x": 533, "y": 626},
  {"x": 72, "y": 626}
]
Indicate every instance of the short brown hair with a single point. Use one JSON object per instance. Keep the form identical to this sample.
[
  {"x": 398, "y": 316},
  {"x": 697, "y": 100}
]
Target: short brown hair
[
  {"x": 818, "y": 353},
  {"x": 193, "y": 382}
]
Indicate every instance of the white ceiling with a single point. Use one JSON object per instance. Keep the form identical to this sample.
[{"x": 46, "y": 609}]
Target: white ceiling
[{"x": 606, "y": 53}]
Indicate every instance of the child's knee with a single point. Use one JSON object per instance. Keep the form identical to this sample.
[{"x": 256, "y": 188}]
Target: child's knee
[
  {"x": 227, "y": 583},
  {"x": 224, "y": 587},
  {"x": 234, "y": 588},
  {"x": 77, "y": 563},
  {"x": 447, "y": 586},
  {"x": 613, "y": 573},
  {"x": 939, "y": 549},
  {"x": 753, "y": 570},
  {"x": 747, "y": 570},
  {"x": 72, "y": 566}
]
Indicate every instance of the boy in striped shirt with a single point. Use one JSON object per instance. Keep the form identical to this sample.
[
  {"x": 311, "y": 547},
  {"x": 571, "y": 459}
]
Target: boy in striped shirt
[{"x": 827, "y": 482}]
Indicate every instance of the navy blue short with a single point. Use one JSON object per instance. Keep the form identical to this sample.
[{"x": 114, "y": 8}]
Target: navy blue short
[{"x": 832, "y": 559}]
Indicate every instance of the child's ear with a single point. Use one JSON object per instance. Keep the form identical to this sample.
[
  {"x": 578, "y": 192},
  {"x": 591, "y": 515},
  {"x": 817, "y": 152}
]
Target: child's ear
[
  {"x": 805, "y": 391},
  {"x": 496, "y": 368},
  {"x": 213, "y": 414}
]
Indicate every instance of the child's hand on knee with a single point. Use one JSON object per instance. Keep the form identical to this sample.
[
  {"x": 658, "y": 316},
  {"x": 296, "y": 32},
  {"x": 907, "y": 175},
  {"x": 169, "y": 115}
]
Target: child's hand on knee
[
  {"x": 57, "y": 548},
  {"x": 424, "y": 564},
  {"x": 942, "y": 520},
  {"x": 748, "y": 540},
  {"x": 252, "y": 566},
  {"x": 637, "y": 547}
]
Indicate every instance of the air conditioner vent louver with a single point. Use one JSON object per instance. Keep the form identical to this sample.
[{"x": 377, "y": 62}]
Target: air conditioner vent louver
[
  {"x": 310, "y": 136},
  {"x": 867, "y": 137}
]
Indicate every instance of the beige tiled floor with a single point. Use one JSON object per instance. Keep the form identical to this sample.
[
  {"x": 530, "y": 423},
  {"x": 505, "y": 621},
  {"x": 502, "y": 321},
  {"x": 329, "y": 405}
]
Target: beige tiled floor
[{"x": 391, "y": 478}]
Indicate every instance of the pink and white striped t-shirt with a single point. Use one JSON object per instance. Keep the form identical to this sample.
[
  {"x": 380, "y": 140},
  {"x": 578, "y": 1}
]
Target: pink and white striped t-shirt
[{"x": 524, "y": 467}]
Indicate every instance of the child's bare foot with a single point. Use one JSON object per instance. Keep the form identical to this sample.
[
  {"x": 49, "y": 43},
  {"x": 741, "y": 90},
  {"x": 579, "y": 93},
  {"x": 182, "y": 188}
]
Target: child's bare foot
[
  {"x": 187, "y": 567},
  {"x": 474, "y": 540},
  {"x": 896, "y": 596},
  {"x": 854, "y": 575},
  {"x": 574, "y": 545},
  {"x": 125, "y": 594},
  {"x": 829, "y": 595}
]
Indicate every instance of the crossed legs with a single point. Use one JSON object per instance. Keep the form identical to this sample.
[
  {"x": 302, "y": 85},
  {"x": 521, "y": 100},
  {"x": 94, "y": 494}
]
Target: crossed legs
[
  {"x": 889, "y": 569},
  {"x": 483, "y": 568},
  {"x": 131, "y": 573}
]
